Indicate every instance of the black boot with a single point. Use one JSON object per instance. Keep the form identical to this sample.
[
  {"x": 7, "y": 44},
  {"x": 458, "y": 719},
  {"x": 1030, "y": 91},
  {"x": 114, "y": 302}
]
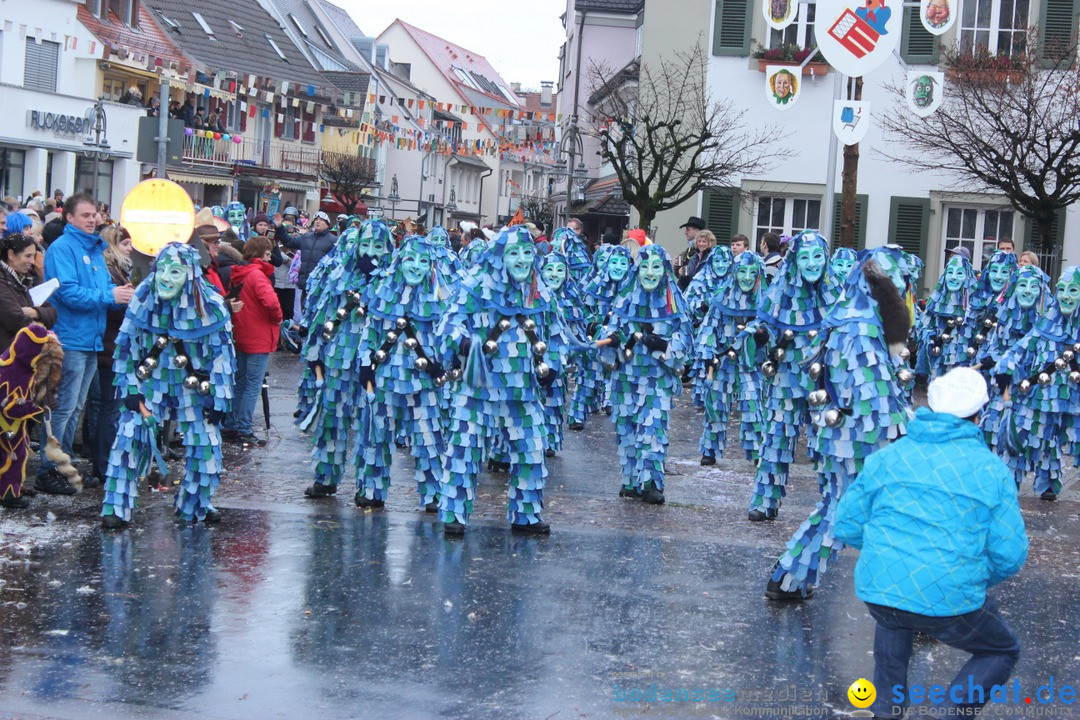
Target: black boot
[
  {"x": 14, "y": 503},
  {"x": 773, "y": 592},
  {"x": 432, "y": 507},
  {"x": 318, "y": 490},
  {"x": 113, "y": 522},
  {"x": 708, "y": 460},
  {"x": 454, "y": 529},
  {"x": 365, "y": 502},
  {"x": 537, "y": 528},
  {"x": 756, "y": 515},
  {"x": 653, "y": 495},
  {"x": 212, "y": 517},
  {"x": 629, "y": 492},
  {"x": 577, "y": 427},
  {"x": 1049, "y": 496}
]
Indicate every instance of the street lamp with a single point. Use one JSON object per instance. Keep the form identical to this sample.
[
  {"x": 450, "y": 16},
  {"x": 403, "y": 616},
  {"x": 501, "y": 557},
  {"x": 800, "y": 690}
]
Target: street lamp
[
  {"x": 393, "y": 197},
  {"x": 571, "y": 146},
  {"x": 99, "y": 148}
]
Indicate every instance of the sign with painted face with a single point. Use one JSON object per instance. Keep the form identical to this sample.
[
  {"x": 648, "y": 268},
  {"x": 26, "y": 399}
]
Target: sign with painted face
[
  {"x": 857, "y": 36},
  {"x": 779, "y": 13},
  {"x": 936, "y": 15},
  {"x": 851, "y": 120},
  {"x": 782, "y": 85},
  {"x": 924, "y": 91}
]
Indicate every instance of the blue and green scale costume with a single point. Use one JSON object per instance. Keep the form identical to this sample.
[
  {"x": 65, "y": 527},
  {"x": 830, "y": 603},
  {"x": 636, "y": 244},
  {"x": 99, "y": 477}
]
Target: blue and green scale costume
[
  {"x": 569, "y": 305},
  {"x": 710, "y": 280},
  {"x": 942, "y": 333}
]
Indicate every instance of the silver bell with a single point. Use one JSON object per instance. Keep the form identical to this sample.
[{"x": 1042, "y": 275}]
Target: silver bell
[
  {"x": 789, "y": 334},
  {"x": 833, "y": 418},
  {"x": 9, "y": 436},
  {"x": 542, "y": 370},
  {"x": 946, "y": 337},
  {"x": 740, "y": 327},
  {"x": 411, "y": 343},
  {"x": 329, "y": 326},
  {"x": 936, "y": 350},
  {"x": 980, "y": 339},
  {"x": 151, "y": 362},
  {"x": 420, "y": 363},
  {"x": 1068, "y": 355},
  {"x": 988, "y": 323},
  {"x": 1025, "y": 387},
  {"x": 361, "y": 310},
  {"x": 627, "y": 354},
  {"x": 1060, "y": 364},
  {"x": 905, "y": 353},
  {"x": 539, "y": 348},
  {"x": 204, "y": 387},
  {"x": 958, "y": 320},
  {"x": 455, "y": 374},
  {"x": 490, "y": 347},
  {"x": 400, "y": 323},
  {"x": 1074, "y": 377},
  {"x": 162, "y": 341},
  {"x": 180, "y": 361},
  {"x": 817, "y": 398},
  {"x": 768, "y": 369},
  {"x": 1044, "y": 379},
  {"x": 391, "y": 337},
  {"x": 815, "y": 371},
  {"x": 731, "y": 355},
  {"x": 780, "y": 353},
  {"x": 142, "y": 372},
  {"x": 904, "y": 376},
  {"x": 1076, "y": 348},
  {"x": 504, "y": 324},
  {"x": 950, "y": 323},
  {"x": 609, "y": 367},
  {"x": 439, "y": 381},
  {"x": 380, "y": 356},
  {"x": 637, "y": 337},
  {"x": 341, "y": 313},
  {"x": 970, "y": 352},
  {"x": 529, "y": 325},
  {"x": 191, "y": 382},
  {"x": 811, "y": 334}
]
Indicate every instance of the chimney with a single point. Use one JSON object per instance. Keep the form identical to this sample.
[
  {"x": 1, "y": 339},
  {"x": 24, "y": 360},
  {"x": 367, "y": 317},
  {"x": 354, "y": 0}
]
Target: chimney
[
  {"x": 545, "y": 93},
  {"x": 516, "y": 87}
]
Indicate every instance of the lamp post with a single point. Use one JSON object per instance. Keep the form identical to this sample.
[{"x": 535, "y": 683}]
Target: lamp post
[
  {"x": 571, "y": 146},
  {"x": 99, "y": 148},
  {"x": 393, "y": 197}
]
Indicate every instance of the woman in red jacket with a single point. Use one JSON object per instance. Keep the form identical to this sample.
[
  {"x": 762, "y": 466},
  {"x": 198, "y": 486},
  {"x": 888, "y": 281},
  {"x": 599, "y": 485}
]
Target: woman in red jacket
[{"x": 256, "y": 329}]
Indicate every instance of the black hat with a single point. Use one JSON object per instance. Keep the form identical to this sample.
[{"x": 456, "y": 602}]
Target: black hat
[{"x": 694, "y": 222}]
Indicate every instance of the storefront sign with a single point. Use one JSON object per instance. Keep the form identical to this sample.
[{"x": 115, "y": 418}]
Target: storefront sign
[{"x": 58, "y": 123}]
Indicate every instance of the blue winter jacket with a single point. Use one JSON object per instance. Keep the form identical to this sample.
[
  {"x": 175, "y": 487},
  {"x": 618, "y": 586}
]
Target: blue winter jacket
[
  {"x": 77, "y": 260},
  {"x": 936, "y": 517}
]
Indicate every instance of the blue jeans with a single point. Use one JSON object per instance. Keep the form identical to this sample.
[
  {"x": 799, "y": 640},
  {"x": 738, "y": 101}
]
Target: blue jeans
[
  {"x": 983, "y": 633},
  {"x": 102, "y": 419},
  {"x": 80, "y": 366},
  {"x": 250, "y": 368}
]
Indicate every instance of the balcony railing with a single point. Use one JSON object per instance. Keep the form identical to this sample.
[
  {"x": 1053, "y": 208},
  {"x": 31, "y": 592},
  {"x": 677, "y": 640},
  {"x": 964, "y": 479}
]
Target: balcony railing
[{"x": 285, "y": 157}]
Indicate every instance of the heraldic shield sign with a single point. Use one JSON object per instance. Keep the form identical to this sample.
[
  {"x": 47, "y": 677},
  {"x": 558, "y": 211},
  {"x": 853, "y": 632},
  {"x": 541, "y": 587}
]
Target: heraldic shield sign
[
  {"x": 851, "y": 120},
  {"x": 779, "y": 13},
  {"x": 783, "y": 84},
  {"x": 856, "y": 37},
  {"x": 924, "y": 91}
]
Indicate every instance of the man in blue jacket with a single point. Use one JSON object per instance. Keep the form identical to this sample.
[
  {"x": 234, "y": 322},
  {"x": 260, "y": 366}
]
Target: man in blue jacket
[
  {"x": 77, "y": 260},
  {"x": 936, "y": 519}
]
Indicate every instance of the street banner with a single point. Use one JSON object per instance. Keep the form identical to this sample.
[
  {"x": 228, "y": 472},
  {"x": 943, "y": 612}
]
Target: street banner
[
  {"x": 783, "y": 84},
  {"x": 924, "y": 91},
  {"x": 851, "y": 120},
  {"x": 857, "y": 37}
]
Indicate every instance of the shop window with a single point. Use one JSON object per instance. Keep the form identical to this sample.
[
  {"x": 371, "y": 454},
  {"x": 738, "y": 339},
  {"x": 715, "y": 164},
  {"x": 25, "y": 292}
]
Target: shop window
[{"x": 12, "y": 165}]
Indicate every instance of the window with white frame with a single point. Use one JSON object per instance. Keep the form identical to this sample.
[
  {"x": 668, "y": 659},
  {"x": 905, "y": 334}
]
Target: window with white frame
[
  {"x": 997, "y": 27},
  {"x": 799, "y": 33},
  {"x": 786, "y": 215},
  {"x": 977, "y": 229}
]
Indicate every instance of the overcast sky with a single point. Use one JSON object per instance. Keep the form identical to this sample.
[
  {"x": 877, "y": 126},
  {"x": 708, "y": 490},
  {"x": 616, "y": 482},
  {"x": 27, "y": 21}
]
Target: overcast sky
[{"x": 520, "y": 39}]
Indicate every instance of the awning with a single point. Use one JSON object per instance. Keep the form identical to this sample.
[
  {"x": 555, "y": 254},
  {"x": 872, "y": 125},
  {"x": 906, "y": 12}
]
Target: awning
[{"x": 217, "y": 180}]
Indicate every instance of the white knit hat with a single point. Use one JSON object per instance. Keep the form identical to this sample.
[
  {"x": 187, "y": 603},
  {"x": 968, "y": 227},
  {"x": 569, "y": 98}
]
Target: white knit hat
[{"x": 960, "y": 392}]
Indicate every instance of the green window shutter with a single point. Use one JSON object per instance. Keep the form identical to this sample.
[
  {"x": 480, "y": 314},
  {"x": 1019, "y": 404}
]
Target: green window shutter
[
  {"x": 916, "y": 44},
  {"x": 860, "y": 221},
  {"x": 1050, "y": 258},
  {"x": 1057, "y": 24},
  {"x": 731, "y": 31},
  {"x": 909, "y": 224},
  {"x": 720, "y": 208}
]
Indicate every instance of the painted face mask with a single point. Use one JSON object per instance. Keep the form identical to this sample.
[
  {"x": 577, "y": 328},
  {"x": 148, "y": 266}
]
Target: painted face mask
[
  {"x": 955, "y": 275},
  {"x": 841, "y": 267},
  {"x": 651, "y": 272},
  {"x": 999, "y": 276},
  {"x": 922, "y": 95},
  {"x": 892, "y": 268},
  {"x": 1068, "y": 295},
  {"x": 236, "y": 216},
  {"x": 1027, "y": 292},
  {"x": 779, "y": 9},
  {"x": 372, "y": 244},
  {"x": 519, "y": 259},
  {"x": 617, "y": 267},
  {"x": 554, "y": 274},
  {"x": 747, "y": 277},
  {"x": 720, "y": 263},
  {"x": 438, "y": 237},
  {"x": 811, "y": 262},
  {"x": 415, "y": 266},
  {"x": 169, "y": 278}
]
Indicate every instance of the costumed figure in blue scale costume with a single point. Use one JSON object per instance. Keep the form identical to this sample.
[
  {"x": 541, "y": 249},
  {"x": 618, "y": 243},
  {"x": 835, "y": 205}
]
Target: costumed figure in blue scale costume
[
  {"x": 495, "y": 331},
  {"x": 236, "y": 215},
  {"x": 174, "y": 360},
  {"x": 788, "y": 320},
  {"x": 567, "y": 242},
  {"x": 648, "y": 340},
  {"x": 450, "y": 265},
  {"x": 401, "y": 375},
  {"x": 986, "y": 301},
  {"x": 556, "y": 273},
  {"x": 730, "y": 374},
  {"x": 338, "y": 401},
  {"x": 840, "y": 265},
  {"x": 858, "y": 405},
  {"x": 1041, "y": 372},
  {"x": 706, "y": 285},
  {"x": 942, "y": 331}
]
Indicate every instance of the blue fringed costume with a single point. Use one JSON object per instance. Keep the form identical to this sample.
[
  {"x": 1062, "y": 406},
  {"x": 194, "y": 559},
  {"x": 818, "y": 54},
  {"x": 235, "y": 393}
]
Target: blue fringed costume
[
  {"x": 710, "y": 280},
  {"x": 174, "y": 356},
  {"x": 942, "y": 333},
  {"x": 568, "y": 303}
]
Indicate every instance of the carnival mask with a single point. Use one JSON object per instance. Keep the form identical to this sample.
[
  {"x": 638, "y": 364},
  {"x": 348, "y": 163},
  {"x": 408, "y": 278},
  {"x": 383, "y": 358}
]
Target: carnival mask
[
  {"x": 169, "y": 278},
  {"x": 519, "y": 258},
  {"x": 650, "y": 272},
  {"x": 922, "y": 95},
  {"x": 1027, "y": 292},
  {"x": 720, "y": 262},
  {"x": 236, "y": 216},
  {"x": 891, "y": 267},
  {"x": 601, "y": 258},
  {"x": 999, "y": 274},
  {"x": 438, "y": 238},
  {"x": 747, "y": 276},
  {"x": 617, "y": 267},
  {"x": 841, "y": 266},
  {"x": 955, "y": 275},
  {"x": 554, "y": 274},
  {"x": 415, "y": 266},
  {"x": 371, "y": 245},
  {"x": 811, "y": 262},
  {"x": 1068, "y": 295}
]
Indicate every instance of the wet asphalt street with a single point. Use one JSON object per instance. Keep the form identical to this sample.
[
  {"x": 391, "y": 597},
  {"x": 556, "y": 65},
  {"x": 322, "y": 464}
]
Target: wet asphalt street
[{"x": 293, "y": 608}]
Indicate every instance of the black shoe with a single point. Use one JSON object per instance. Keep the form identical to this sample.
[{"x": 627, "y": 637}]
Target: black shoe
[
  {"x": 229, "y": 435},
  {"x": 399, "y": 443},
  {"x": 53, "y": 483},
  {"x": 653, "y": 496},
  {"x": 759, "y": 516},
  {"x": 14, "y": 503},
  {"x": 576, "y": 426},
  {"x": 431, "y": 507},
  {"x": 175, "y": 453},
  {"x": 773, "y": 592},
  {"x": 607, "y": 411},
  {"x": 455, "y": 529},
  {"x": 537, "y": 528},
  {"x": 92, "y": 481},
  {"x": 28, "y": 490},
  {"x": 629, "y": 492},
  {"x": 364, "y": 502},
  {"x": 498, "y": 467},
  {"x": 1049, "y": 496},
  {"x": 319, "y": 490},
  {"x": 250, "y": 439},
  {"x": 212, "y": 516},
  {"x": 549, "y": 453},
  {"x": 708, "y": 460},
  {"x": 113, "y": 522}
]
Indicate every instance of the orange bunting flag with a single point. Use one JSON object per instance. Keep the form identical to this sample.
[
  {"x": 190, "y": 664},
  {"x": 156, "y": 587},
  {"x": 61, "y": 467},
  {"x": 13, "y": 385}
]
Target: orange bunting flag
[{"x": 518, "y": 219}]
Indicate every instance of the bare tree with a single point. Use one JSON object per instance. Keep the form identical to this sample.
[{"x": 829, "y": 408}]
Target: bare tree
[
  {"x": 348, "y": 176},
  {"x": 539, "y": 209},
  {"x": 1007, "y": 124},
  {"x": 668, "y": 138}
]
